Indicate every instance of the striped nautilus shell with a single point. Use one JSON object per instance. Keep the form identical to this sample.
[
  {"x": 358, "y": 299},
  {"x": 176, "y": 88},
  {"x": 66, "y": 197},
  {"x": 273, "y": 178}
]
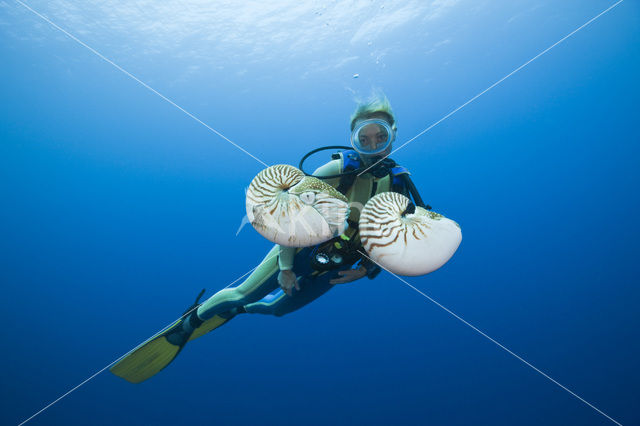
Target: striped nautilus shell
[
  {"x": 294, "y": 210},
  {"x": 405, "y": 239}
]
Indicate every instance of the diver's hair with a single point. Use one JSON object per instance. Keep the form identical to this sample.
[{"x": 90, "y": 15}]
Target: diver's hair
[{"x": 377, "y": 103}]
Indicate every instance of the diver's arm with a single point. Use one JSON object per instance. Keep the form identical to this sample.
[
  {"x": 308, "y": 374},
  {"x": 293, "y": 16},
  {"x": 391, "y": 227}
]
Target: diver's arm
[
  {"x": 286, "y": 277},
  {"x": 349, "y": 275},
  {"x": 366, "y": 268},
  {"x": 288, "y": 281},
  {"x": 285, "y": 257},
  {"x": 328, "y": 169}
]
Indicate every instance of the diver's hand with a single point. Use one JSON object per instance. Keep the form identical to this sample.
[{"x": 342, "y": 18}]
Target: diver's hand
[
  {"x": 349, "y": 275},
  {"x": 287, "y": 280}
]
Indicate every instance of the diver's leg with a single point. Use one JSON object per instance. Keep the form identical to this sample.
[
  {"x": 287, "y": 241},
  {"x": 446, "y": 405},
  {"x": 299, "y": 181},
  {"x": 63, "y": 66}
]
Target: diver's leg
[
  {"x": 261, "y": 282},
  {"x": 279, "y": 304},
  {"x": 156, "y": 353}
]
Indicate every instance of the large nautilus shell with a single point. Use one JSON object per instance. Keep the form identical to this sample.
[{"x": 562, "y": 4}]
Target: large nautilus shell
[
  {"x": 291, "y": 209},
  {"x": 405, "y": 239}
]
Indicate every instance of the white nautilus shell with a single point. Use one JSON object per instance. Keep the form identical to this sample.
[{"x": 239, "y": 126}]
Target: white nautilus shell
[
  {"x": 405, "y": 239},
  {"x": 291, "y": 209}
]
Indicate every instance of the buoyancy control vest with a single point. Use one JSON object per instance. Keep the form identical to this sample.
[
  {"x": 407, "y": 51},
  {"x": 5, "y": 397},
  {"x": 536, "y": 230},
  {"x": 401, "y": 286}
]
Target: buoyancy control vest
[
  {"x": 386, "y": 176},
  {"x": 398, "y": 176}
]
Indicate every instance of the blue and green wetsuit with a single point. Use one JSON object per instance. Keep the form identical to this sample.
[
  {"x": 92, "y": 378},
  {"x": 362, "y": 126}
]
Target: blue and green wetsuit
[{"x": 260, "y": 292}]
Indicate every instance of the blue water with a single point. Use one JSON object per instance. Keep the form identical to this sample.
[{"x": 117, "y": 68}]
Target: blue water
[{"x": 117, "y": 208}]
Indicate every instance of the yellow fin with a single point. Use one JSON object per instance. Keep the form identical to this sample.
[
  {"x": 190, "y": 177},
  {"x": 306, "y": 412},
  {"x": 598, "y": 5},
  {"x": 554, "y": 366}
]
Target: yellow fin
[
  {"x": 156, "y": 353},
  {"x": 147, "y": 360},
  {"x": 207, "y": 326}
]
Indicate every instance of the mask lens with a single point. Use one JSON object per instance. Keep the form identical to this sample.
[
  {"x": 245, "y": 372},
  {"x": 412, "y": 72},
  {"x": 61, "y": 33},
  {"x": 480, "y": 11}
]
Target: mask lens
[{"x": 371, "y": 136}]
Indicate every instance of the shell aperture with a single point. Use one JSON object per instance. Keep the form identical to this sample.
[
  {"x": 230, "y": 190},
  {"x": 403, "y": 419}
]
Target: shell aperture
[
  {"x": 405, "y": 239},
  {"x": 291, "y": 209}
]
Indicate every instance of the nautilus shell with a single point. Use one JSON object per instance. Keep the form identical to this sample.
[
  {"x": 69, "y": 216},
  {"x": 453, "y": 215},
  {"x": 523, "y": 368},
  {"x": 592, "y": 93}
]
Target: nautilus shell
[
  {"x": 405, "y": 239},
  {"x": 291, "y": 209}
]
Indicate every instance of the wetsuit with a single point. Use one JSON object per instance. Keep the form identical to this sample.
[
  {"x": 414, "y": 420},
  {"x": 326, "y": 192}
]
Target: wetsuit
[{"x": 260, "y": 293}]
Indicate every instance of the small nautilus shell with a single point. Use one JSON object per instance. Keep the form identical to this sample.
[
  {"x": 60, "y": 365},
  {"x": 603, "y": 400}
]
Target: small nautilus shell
[
  {"x": 405, "y": 239},
  {"x": 294, "y": 210}
]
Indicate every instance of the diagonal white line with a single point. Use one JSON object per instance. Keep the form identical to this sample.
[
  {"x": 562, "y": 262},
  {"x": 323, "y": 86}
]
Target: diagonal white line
[
  {"x": 492, "y": 340},
  {"x": 266, "y": 165},
  {"x": 127, "y": 73},
  {"x": 494, "y": 84},
  {"x": 52, "y": 403}
]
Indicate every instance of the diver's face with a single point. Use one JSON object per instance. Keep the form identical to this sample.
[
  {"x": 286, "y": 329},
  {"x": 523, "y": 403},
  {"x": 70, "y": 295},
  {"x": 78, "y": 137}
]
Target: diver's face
[{"x": 373, "y": 136}]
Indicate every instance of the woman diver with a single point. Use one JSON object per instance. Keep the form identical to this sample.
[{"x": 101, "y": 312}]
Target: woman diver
[{"x": 289, "y": 277}]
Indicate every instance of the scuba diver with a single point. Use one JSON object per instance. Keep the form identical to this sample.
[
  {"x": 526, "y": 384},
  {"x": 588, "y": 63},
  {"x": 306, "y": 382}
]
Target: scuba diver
[{"x": 290, "y": 277}]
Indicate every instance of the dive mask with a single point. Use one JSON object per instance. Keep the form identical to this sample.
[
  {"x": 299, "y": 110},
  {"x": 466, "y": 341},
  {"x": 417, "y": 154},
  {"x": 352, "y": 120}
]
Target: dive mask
[{"x": 372, "y": 136}]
